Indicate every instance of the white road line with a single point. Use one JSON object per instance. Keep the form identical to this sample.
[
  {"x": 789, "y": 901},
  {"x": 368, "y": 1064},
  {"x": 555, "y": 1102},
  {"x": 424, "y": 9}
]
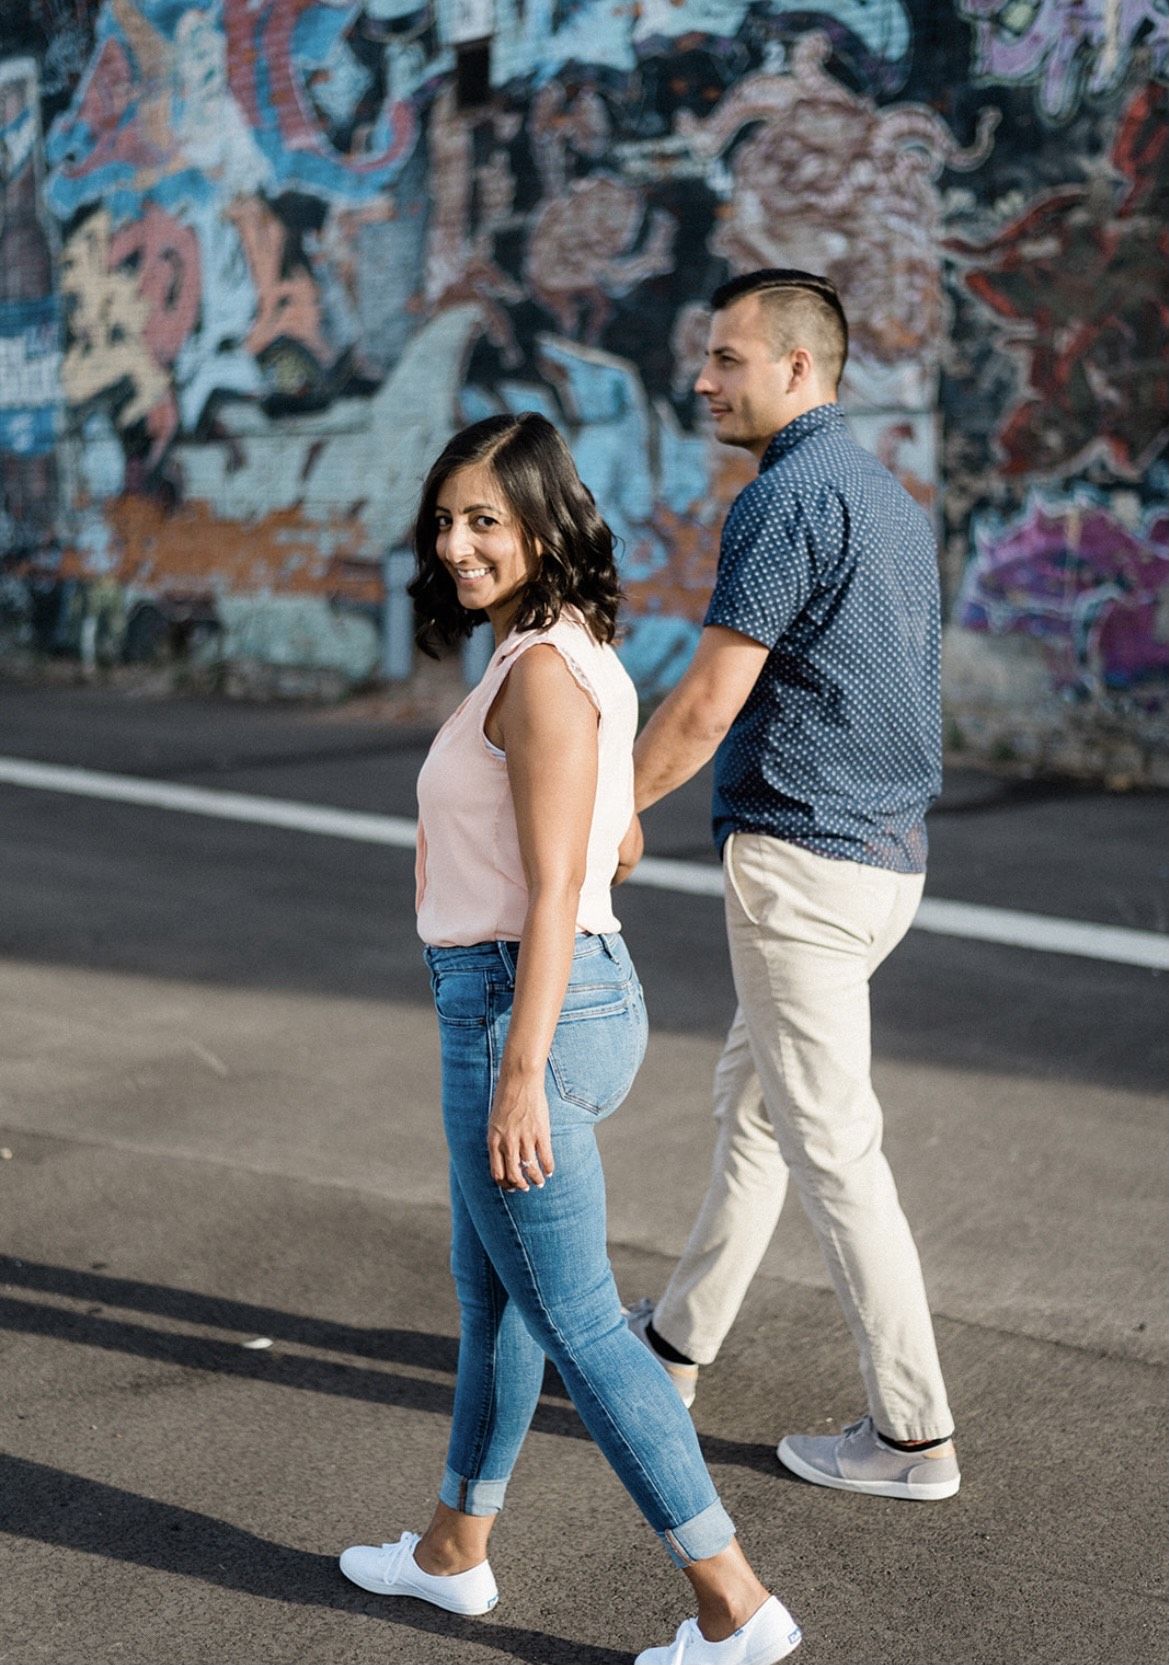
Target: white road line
[{"x": 1114, "y": 943}]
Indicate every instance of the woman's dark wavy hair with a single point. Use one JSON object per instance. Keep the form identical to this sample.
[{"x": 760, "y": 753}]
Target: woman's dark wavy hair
[{"x": 536, "y": 474}]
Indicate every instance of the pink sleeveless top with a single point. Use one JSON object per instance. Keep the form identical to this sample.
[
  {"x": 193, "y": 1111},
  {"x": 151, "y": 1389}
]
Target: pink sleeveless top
[{"x": 470, "y": 879}]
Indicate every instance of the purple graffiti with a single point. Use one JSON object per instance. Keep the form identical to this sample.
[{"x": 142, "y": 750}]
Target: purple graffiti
[
  {"x": 1079, "y": 580},
  {"x": 1064, "y": 47}
]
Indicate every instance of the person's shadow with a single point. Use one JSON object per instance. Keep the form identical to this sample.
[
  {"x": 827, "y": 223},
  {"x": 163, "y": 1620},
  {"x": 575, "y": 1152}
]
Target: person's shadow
[
  {"x": 95, "y": 1327},
  {"x": 55, "y": 1507}
]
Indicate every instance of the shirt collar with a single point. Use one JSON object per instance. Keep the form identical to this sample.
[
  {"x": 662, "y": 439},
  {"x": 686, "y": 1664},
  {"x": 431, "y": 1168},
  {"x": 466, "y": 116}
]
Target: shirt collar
[{"x": 811, "y": 422}]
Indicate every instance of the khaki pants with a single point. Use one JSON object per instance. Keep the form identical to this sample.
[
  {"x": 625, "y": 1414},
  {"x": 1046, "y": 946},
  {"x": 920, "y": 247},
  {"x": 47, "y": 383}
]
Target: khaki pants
[{"x": 793, "y": 1095}]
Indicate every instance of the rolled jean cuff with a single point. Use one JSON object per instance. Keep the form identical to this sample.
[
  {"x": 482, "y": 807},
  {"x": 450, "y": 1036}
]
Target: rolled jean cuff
[
  {"x": 471, "y": 1497},
  {"x": 699, "y": 1537}
]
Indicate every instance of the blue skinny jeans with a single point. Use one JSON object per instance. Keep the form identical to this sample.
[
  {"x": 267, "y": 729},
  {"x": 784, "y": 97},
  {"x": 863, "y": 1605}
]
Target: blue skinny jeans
[{"x": 531, "y": 1268}]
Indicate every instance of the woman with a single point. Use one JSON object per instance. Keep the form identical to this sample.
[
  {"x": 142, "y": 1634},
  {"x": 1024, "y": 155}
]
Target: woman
[{"x": 526, "y": 815}]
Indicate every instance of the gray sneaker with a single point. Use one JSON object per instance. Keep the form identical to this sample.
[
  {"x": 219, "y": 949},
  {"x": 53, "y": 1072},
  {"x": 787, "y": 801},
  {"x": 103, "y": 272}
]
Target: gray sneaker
[
  {"x": 859, "y": 1460},
  {"x": 684, "y": 1376}
]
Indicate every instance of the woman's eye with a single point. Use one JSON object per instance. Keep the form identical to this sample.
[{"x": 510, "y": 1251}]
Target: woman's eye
[{"x": 484, "y": 520}]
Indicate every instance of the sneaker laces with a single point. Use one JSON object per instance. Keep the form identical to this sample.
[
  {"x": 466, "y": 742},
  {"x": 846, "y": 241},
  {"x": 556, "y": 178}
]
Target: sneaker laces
[
  {"x": 392, "y": 1553},
  {"x": 687, "y": 1632}
]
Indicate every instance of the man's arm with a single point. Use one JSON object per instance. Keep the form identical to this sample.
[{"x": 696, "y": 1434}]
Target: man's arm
[{"x": 685, "y": 730}]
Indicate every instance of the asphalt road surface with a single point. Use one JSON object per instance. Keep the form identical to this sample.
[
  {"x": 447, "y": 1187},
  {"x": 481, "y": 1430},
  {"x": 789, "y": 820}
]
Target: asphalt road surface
[{"x": 218, "y": 1108}]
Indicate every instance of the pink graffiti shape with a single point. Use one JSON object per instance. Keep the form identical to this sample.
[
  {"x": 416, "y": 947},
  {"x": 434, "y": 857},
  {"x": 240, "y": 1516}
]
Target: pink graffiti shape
[
  {"x": 102, "y": 130},
  {"x": 166, "y": 254},
  {"x": 287, "y": 306}
]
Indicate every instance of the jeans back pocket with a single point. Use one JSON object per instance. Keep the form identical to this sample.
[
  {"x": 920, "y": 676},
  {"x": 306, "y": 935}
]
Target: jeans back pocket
[{"x": 598, "y": 1046}]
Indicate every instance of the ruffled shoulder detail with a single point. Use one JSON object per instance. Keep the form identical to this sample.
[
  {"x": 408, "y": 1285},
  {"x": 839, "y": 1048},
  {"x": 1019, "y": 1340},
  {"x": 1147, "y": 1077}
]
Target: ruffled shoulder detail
[{"x": 572, "y": 641}]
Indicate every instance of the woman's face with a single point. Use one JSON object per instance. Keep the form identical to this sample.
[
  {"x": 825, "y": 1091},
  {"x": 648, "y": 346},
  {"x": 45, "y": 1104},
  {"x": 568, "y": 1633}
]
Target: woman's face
[{"x": 480, "y": 542}]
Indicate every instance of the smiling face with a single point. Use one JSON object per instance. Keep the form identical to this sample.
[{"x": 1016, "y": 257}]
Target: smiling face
[
  {"x": 482, "y": 545},
  {"x": 751, "y": 389}
]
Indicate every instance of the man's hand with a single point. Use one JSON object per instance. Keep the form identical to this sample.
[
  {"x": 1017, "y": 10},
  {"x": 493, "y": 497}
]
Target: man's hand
[{"x": 629, "y": 851}]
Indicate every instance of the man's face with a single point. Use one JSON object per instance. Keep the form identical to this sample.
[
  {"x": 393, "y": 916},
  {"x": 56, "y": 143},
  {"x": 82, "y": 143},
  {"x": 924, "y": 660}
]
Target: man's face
[{"x": 745, "y": 386}]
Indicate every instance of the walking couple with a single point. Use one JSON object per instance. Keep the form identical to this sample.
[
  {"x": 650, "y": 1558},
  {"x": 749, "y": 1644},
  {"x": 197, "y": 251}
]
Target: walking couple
[{"x": 816, "y": 682}]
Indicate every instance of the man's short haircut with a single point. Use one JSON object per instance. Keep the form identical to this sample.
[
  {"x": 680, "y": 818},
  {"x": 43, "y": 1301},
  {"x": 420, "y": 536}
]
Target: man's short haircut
[{"x": 802, "y": 308}]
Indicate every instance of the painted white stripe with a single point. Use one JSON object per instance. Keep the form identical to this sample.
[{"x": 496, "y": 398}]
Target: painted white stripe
[
  {"x": 1117, "y": 943},
  {"x": 223, "y": 806},
  {"x": 1005, "y": 926}
]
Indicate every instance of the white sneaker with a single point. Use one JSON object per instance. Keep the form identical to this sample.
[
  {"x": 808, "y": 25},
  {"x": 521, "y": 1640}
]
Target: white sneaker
[
  {"x": 768, "y": 1636},
  {"x": 684, "y": 1376},
  {"x": 393, "y": 1571}
]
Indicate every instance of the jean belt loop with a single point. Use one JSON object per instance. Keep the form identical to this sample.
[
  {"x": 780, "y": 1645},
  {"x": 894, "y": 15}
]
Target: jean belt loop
[
  {"x": 507, "y": 957},
  {"x": 609, "y": 944}
]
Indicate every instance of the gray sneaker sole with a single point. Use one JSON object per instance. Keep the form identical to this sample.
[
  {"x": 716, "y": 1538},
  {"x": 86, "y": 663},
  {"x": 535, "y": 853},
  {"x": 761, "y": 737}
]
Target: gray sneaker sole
[{"x": 927, "y": 1492}]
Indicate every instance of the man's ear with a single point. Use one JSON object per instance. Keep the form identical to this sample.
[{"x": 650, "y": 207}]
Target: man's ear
[{"x": 803, "y": 368}]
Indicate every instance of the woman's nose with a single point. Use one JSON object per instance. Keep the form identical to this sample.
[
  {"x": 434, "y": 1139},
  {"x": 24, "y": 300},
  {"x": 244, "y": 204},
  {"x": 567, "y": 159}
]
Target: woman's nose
[{"x": 458, "y": 539}]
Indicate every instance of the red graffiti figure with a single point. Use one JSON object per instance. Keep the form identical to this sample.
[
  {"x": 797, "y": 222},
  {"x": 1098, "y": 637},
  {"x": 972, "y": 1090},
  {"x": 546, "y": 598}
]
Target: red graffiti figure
[
  {"x": 1080, "y": 284},
  {"x": 262, "y": 75}
]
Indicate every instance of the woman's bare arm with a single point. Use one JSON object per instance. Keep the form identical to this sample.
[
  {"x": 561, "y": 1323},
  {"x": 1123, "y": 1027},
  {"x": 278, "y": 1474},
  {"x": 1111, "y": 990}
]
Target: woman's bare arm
[{"x": 549, "y": 730}]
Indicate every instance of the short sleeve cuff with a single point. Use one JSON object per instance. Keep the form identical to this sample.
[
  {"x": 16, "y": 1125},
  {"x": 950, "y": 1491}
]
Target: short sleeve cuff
[{"x": 755, "y": 629}]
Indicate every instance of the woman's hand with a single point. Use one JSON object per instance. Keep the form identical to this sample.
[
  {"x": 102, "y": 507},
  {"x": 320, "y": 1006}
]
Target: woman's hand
[
  {"x": 519, "y": 1135},
  {"x": 629, "y": 851}
]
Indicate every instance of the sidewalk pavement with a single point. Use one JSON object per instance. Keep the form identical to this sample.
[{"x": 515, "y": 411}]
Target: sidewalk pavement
[
  {"x": 172, "y": 1494},
  {"x": 218, "y": 1089}
]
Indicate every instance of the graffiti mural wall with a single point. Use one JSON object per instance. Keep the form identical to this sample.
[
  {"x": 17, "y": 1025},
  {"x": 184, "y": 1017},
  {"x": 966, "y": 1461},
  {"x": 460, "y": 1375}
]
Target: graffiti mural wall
[{"x": 258, "y": 260}]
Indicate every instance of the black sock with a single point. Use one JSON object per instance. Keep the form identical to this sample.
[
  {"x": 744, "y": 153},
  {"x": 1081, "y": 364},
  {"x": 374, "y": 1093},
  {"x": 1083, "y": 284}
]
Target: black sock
[
  {"x": 914, "y": 1445},
  {"x": 662, "y": 1346}
]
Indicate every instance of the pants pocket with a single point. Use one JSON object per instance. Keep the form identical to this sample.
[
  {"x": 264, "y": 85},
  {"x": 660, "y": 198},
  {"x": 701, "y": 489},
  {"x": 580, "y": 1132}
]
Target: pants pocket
[
  {"x": 597, "y": 1053},
  {"x": 460, "y": 998},
  {"x": 734, "y": 879}
]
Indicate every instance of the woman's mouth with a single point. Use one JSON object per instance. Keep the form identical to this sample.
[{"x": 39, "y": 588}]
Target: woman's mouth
[{"x": 471, "y": 575}]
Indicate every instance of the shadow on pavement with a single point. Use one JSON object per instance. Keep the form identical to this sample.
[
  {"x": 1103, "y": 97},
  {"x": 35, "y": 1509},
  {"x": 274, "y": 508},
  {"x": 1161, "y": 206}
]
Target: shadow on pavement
[
  {"x": 55, "y": 1507},
  {"x": 419, "y": 1348},
  {"x": 416, "y": 1347}
]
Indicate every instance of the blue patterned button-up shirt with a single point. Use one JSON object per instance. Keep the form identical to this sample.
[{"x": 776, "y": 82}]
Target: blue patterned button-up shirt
[{"x": 828, "y": 562}]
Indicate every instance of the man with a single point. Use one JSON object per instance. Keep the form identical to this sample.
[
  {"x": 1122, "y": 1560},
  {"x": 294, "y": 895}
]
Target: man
[{"x": 816, "y": 681}]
